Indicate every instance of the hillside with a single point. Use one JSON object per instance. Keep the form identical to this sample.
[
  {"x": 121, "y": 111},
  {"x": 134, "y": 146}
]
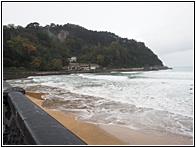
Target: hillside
[{"x": 48, "y": 48}]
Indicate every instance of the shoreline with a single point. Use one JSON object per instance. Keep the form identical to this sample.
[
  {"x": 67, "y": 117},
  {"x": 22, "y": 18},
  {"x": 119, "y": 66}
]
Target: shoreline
[
  {"x": 17, "y": 75},
  {"x": 101, "y": 134}
]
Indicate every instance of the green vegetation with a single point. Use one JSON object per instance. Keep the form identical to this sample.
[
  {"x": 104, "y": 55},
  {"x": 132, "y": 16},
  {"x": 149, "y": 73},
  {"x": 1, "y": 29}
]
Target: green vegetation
[{"x": 48, "y": 48}]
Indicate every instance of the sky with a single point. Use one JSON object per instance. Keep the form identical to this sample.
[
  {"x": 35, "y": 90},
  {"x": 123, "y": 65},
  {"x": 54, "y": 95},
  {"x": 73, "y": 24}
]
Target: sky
[{"x": 167, "y": 28}]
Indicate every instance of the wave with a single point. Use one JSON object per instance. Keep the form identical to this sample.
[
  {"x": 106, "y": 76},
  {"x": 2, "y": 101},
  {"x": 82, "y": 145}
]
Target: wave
[
  {"x": 105, "y": 111},
  {"x": 104, "y": 77},
  {"x": 155, "y": 100}
]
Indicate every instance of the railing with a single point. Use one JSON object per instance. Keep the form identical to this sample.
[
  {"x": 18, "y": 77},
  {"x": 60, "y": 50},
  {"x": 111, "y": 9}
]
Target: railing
[{"x": 25, "y": 123}]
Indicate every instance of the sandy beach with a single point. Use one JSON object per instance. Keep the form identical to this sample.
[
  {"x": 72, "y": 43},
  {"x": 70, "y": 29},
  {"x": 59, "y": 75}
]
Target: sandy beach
[{"x": 96, "y": 134}]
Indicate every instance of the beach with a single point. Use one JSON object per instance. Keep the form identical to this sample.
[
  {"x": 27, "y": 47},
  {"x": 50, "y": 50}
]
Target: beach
[
  {"x": 103, "y": 134},
  {"x": 89, "y": 133}
]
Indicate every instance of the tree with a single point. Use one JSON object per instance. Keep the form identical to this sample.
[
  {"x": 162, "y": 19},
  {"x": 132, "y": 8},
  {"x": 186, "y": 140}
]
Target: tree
[
  {"x": 33, "y": 25},
  {"x": 56, "y": 64},
  {"x": 100, "y": 59},
  {"x": 36, "y": 63}
]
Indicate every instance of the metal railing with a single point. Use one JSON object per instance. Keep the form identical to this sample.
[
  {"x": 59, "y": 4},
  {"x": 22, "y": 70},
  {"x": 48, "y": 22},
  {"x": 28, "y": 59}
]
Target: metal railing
[{"x": 25, "y": 123}]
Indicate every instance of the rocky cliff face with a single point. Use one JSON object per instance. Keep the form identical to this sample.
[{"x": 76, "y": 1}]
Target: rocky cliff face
[{"x": 63, "y": 35}]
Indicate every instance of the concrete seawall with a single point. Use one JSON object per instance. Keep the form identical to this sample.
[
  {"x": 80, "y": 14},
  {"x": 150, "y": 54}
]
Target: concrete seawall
[{"x": 25, "y": 123}]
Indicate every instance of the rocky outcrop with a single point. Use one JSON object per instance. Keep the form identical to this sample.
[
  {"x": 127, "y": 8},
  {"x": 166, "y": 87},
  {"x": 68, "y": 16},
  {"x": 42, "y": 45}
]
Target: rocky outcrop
[{"x": 63, "y": 35}]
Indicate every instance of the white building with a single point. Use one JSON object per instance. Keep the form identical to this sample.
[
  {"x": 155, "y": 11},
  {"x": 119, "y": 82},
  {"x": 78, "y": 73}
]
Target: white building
[{"x": 72, "y": 59}]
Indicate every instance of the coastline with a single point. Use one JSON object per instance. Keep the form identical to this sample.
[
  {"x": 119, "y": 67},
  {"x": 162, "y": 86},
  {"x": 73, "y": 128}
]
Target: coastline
[
  {"x": 16, "y": 75},
  {"x": 97, "y": 134}
]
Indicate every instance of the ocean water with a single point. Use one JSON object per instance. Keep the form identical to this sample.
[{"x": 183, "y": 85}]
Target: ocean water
[{"x": 152, "y": 101}]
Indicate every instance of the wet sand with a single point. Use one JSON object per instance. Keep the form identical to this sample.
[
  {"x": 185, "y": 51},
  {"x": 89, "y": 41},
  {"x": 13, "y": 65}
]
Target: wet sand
[{"x": 96, "y": 134}]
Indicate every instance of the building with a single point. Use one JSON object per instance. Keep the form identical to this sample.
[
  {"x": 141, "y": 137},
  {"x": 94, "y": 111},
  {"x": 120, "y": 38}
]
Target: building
[
  {"x": 82, "y": 67},
  {"x": 94, "y": 66},
  {"x": 72, "y": 59},
  {"x": 73, "y": 66}
]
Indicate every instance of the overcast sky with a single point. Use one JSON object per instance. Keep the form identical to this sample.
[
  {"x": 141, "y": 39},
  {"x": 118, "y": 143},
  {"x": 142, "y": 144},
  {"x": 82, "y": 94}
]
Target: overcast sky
[{"x": 167, "y": 28}]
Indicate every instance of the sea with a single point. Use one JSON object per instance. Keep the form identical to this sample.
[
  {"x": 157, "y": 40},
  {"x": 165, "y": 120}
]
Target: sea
[{"x": 159, "y": 102}]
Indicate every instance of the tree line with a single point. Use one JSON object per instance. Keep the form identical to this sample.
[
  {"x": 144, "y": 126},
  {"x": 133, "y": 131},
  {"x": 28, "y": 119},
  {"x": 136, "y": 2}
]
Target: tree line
[{"x": 39, "y": 48}]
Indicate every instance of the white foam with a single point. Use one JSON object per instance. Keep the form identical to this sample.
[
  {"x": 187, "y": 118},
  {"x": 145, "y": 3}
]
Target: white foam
[{"x": 104, "y": 77}]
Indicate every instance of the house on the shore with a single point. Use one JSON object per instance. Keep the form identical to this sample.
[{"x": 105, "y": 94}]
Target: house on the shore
[
  {"x": 73, "y": 66},
  {"x": 82, "y": 67}
]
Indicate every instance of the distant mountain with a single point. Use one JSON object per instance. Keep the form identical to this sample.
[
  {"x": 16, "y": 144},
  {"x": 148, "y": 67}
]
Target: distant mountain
[{"x": 48, "y": 48}]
